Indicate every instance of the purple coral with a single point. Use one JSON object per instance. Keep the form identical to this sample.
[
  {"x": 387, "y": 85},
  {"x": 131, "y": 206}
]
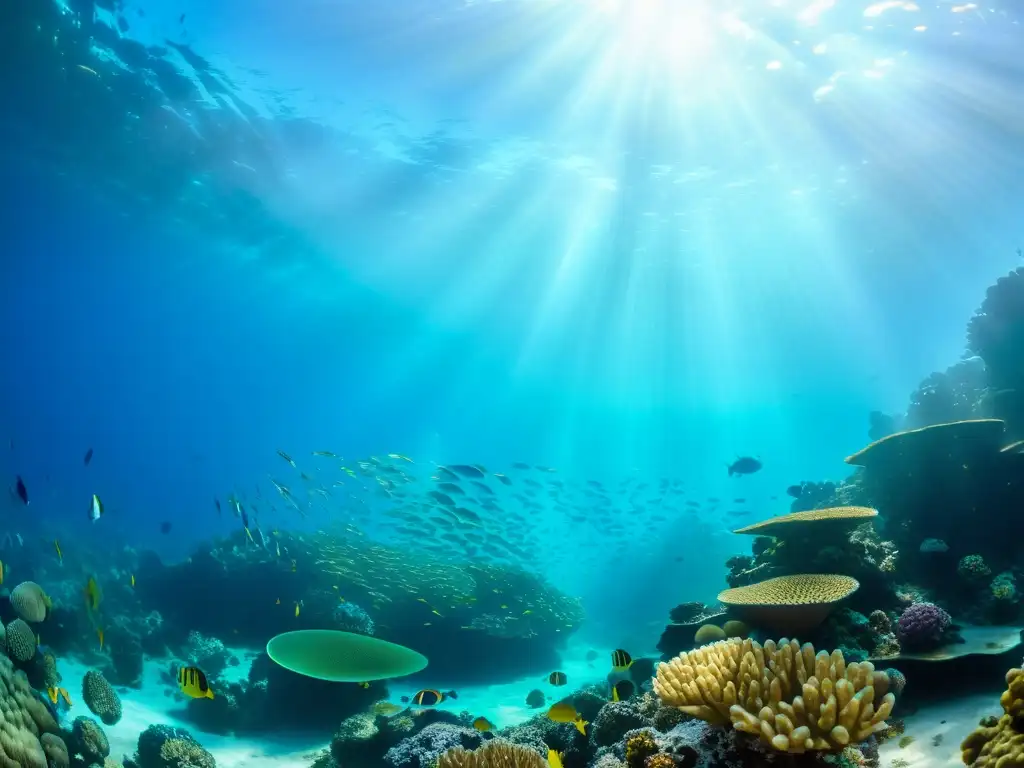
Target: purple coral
[
  {"x": 921, "y": 626},
  {"x": 423, "y": 749}
]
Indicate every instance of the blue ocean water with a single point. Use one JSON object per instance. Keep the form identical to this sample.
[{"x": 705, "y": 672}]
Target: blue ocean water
[{"x": 627, "y": 241}]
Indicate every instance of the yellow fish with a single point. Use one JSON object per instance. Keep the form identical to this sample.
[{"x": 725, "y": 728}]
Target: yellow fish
[
  {"x": 363, "y": 685},
  {"x": 296, "y": 610},
  {"x": 483, "y": 725},
  {"x": 1, "y": 572},
  {"x": 133, "y": 581},
  {"x": 99, "y": 634},
  {"x": 64, "y": 693},
  {"x": 565, "y": 712},
  {"x": 92, "y": 594},
  {"x": 193, "y": 683},
  {"x": 60, "y": 555},
  {"x": 247, "y": 533},
  {"x": 278, "y": 601},
  {"x": 52, "y": 693},
  {"x": 554, "y": 759}
]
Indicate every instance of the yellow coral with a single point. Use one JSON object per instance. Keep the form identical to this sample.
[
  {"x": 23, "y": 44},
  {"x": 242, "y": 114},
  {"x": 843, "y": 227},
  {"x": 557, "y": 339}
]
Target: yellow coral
[
  {"x": 1000, "y": 745},
  {"x": 783, "y": 693},
  {"x": 809, "y": 520},
  {"x": 639, "y": 747},
  {"x": 493, "y": 754},
  {"x": 708, "y": 633}
]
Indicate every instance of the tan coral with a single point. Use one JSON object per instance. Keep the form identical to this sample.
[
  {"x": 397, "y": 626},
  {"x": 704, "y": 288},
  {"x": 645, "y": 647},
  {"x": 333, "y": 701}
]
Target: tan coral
[
  {"x": 788, "y": 696},
  {"x": 791, "y": 604},
  {"x": 29, "y": 601},
  {"x": 21, "y": 640},
  {"x": 1000, "y": 745},
  {"x": 493, "y": 754},
  {"x": 23, "y": 719},
  {"x": 954, "y": 441},
  {"x": 810, "y": 521}
]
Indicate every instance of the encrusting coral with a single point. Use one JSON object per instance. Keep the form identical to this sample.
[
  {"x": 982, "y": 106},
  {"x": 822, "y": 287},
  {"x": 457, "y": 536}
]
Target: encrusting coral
[
  {"x": 494, "y": 754},
  {"x": 1000, "y": 745},
  {"x": 814, "y": 520},
  {"x": 783, "y": 693}
]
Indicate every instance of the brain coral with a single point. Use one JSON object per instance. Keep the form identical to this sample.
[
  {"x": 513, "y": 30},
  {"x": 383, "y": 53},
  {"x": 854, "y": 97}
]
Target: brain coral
[
  {"x": 708, "y": 634},
  {"x": 29, "y": 601},
  {"x": 791, "y": 698},
  {"x": 55, "y": 750},
  {"x": 23, "y": 719},
  {"x": 1000, "y": 745},
  {"x": 790, "y": 603},
  {"x": 101, "y": 699},
  {"x": 21, "y": 640},
  {"x": 493, "y": 754}
]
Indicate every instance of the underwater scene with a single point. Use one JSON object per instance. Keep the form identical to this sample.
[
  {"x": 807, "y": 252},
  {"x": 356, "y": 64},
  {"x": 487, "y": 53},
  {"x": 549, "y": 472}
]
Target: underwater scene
[{"x": 512, "y": 384}]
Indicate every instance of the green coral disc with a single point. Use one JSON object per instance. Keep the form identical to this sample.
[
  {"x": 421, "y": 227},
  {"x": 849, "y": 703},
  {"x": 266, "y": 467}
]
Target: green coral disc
[{"x": 343, "y": 657}]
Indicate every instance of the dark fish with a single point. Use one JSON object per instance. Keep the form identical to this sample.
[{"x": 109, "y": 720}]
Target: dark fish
[
  {"x": 795, "y": 491},
  {"x": 621, "y": 661},
  {"x": 591, "y": 655},
  {"x": 88, "y": 457},
  {"x": 503, "y": 478},
  {"x": 451, "y": 488},
  {"x": 442, "y": 498},
  {"x": 181, "y": 19},
  {"x": 622, "y": 690},
  {"x": 739, "y": 501},
  {"x": 745, "y": 465},
  {"x": 245, "y": 516},
  {"x": 216, "y": 503},
  {"x": 558, "y": 678},
  {"x": 21, "y": 490},
  {"x": 520, "y": 465},
  {"x": 405, "y": 699},
  {"x": 428, "y": 698},
  {"x": 165, "y": 526}
]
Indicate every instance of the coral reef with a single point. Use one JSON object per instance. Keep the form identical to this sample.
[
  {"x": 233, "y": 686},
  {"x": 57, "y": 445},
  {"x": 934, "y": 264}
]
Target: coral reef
[
  {"x": 207, "y": 653},
  {"x": 922, "y": 626},
  {"x": 494, "y": 754},
  {"x": 161, "y": 746},
  {"x": 423, "y": 749},
  {"x": 1000, "y": 743},
  {"x": 88, "y": 741},
  {"x": 101, "y": 699},
  {"x": 25, "y": 719},
  {"x": 815, "y": 701},
  {"x": 55, "y": 750},
  {"x": 21, "y": 640}
]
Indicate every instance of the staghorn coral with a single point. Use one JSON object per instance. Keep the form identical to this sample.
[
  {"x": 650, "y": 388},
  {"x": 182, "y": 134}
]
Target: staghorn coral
[
  {"x": 493, "y": 754},
  {"x": 88, "y": 740},
  {"x": 56, "y": 751},
  {"x": 21, "y": 641},
  {"x": 29, "y": 602},
  {"x": 790, "y": 603},
  {"x": 791, "y": 698},
  {"x": 101, "y": 698},
  {"x": 1000, "y": 744}
]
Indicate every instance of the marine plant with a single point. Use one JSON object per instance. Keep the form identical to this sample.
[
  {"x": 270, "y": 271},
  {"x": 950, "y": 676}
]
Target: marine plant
[{"x": 791, "y": 698}]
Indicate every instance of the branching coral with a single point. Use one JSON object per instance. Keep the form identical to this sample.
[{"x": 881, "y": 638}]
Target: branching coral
[
  {"x": 1000, "y": 744},
  {"x": 791, "y": 698}
]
